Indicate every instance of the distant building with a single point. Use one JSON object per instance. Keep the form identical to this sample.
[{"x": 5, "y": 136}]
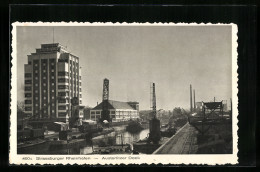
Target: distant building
[
  {"x": 118, "y": 111},
  {"x": 52, "y": 79}
]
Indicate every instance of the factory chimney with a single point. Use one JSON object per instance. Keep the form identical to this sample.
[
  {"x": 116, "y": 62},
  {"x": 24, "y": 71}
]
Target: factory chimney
[
  {"x": 190, "y": 98},
  {"x": 194, "y": 99}
]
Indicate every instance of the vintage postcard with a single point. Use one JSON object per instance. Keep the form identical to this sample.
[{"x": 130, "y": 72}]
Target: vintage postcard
[{"x": 123, "y": 93}]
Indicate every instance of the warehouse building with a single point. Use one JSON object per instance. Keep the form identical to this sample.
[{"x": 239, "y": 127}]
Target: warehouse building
[{"x": 118, "y": 111}]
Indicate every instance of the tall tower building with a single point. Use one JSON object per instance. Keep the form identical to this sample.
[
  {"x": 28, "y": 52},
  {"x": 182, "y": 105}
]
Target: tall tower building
[{"x": 52, "y": 79}]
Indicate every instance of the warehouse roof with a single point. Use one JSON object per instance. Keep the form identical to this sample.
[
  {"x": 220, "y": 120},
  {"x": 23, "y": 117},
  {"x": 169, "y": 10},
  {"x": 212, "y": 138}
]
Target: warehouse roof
[{"x": 112, "y": 104}]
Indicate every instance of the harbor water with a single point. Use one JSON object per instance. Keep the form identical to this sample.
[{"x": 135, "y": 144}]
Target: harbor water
[{"x": 118, "y": 137}]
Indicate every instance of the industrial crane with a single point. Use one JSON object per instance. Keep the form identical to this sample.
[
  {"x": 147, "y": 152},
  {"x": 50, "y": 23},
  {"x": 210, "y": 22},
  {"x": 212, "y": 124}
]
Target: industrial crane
[{"x": 154, "y": 123}]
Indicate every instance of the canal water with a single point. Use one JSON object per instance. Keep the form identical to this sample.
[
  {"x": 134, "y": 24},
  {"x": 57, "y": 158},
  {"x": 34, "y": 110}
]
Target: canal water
[{"x": 118, "y": 137}]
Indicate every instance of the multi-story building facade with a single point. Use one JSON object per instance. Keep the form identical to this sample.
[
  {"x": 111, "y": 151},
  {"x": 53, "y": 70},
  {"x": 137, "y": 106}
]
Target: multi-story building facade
[{"x": 52, "y": 79}]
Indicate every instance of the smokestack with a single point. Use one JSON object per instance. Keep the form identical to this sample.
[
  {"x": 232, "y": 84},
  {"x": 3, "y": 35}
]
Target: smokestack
[
  {"x": 194, "y": 100},
  {"x": 97, "y": 103},
  {"x": 190, "y": 98}
]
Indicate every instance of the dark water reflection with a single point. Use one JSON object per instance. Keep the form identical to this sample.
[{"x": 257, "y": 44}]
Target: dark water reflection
[{"x": 119, "y": 136}]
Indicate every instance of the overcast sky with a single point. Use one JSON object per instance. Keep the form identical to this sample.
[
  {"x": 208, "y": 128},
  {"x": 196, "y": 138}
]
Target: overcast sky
[{"x": 133, "y": 56}]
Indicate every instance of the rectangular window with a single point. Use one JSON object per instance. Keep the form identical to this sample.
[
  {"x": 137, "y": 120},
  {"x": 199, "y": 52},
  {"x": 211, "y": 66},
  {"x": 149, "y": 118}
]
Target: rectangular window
[
  {"x": 62, "y": 114},
  {"x": 62, "y": 107},
  {"x": 27, "y": 88},
  {"x": 28, "y": 81},
  {"x": 62, "y": 80},
  {"x": 62, "y": 100},
  {"x": 28, "y": 108},
  {"x": 112, "y": 112},
  {"x": 80, "y": 102},
  {"x": 63, "y": 73},
  {"x": 28, "y": 102},
  {"x": 97, "y": 112},
  {"x": 61, "y": 93},
  {"x": 28, "y": 95},
  {"x": 92, "y": 112},
  {"x": 61, "y": 86},
  {"x": 27, "y": 75}
]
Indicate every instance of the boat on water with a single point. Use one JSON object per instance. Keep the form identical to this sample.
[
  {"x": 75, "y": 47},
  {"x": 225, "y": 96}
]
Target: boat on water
[
  {"x": 66, "y": 144},
  {"x": 31, "y": 143},
  {"x": 115, "y": 149}
]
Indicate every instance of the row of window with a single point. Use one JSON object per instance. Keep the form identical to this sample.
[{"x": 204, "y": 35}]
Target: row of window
[
  {"x": 27, "y": 75},
  {"x": 98, "y": 112},
  {"x": 99, "y": 116},
  {"x": 61, "y": 80},
  {"x": 52, "y": 96},
  {"x": 36, "y": 63},
  {"x": 63, "y": 87}
]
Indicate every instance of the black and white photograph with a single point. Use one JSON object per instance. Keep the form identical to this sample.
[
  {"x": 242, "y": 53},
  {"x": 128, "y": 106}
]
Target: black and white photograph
[{"x": 130, "y": 93}]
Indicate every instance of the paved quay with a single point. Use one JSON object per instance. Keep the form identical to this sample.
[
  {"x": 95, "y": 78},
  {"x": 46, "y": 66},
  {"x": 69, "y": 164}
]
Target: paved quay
[{"x": 183, "y": 142}]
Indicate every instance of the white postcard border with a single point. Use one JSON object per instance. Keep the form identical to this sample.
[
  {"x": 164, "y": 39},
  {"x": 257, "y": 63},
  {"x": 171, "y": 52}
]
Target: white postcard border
[{"x": 199, "y": 159}]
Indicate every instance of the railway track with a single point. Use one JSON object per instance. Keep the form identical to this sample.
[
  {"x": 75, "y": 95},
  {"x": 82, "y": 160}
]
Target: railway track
[{"x": 188, "y": 143}]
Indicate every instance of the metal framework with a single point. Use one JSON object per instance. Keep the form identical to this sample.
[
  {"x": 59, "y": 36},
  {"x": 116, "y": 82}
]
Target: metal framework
[
  {"x": 212, "y": 113},
  {"x": 105, "y": 98},
  {"x": 105, "y": 89}
]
